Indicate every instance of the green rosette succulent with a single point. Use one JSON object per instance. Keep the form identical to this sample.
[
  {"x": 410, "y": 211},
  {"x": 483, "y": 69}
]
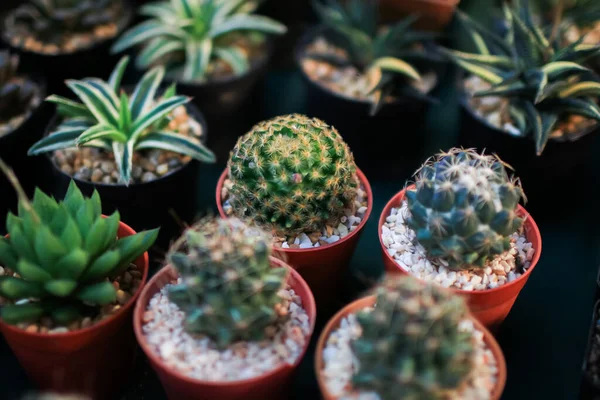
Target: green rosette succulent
[
  {"x": 228, "y": 291},
  {"x": 386, "y": 54},
  {"x": 463, "y": 210},
  {"x": 64, "y": 254},
  {"x": 16, "y": 93},
  {"x": 121, "y": 124},
  {"x": 186, "y": 35},
  {"x": 411, "y": 346},
  {"x": 292, "y": 174},
  {"x": 543, "y": 80}
]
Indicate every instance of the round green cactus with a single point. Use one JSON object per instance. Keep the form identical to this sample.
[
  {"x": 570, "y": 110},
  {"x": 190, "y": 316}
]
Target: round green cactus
[
  {"x": 292, "y": 174},
  {"x": 411, "y": 346},
  {"x": 464, "y": 208},
  {"x": 228, "y": 291}
]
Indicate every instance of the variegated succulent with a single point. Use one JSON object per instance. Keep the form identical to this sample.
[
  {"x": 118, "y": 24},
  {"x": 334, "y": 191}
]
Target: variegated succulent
[
  {"x": 186, "y": 35},
  {"x": 386, "y": 54},
  {"x": 543, "y": 80},
  {"x": 122, "y": 123}
]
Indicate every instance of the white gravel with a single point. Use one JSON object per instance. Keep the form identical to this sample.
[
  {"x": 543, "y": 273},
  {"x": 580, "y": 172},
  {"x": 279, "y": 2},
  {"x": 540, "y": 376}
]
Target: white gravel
[
  {"x": 328, "y": 235},
  {"x": 198, "y": 357},
  {"x": 340, "y": 364},
  {"x": 401, "y": 244}
]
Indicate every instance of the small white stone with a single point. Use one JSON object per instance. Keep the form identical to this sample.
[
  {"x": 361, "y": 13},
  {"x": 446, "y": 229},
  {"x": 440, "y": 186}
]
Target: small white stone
[
  {"x": 285, "y": 245},
  {"x": 332, "y": 239}
]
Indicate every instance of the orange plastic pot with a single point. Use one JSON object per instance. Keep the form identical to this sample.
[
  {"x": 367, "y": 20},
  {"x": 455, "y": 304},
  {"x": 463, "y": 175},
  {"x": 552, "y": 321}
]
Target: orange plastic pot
[
  {"x": 273, "y": 385},
  {"x": 95, "y": 361},
  {"x": 369, "y": 301},
  {"x": 435, "y": 15},
  {"x": 323, "y": 267},
  {"x": 489, "y": 306}
]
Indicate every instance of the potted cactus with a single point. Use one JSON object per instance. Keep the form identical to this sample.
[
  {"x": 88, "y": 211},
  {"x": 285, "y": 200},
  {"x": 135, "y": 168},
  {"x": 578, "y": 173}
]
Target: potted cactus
[
  {"x": 364, "y": 77},
  {"x": 70, "y": 38},
  {"x": 409, "y": 340},
  {"x": 20, "y": 117},
  {"x": 217, "y": 51},
  {"x": 69, "y": 277},
  {"x": 134, "y": 147},
  {"x": 530, "y": 100},
  {"x": 295, "y": 176},
  {"x": 224, "y": 318},
  {"x": 460, "y": 226}
]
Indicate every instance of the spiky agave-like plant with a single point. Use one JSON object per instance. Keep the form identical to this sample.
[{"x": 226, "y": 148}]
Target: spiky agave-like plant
[
  {"x": 121, "y": 123},
  {"x": 411, "y": 345},
  {"x": 193, "y": 31},
  {"x": 64, "y": 252},
  {"x": 16, "y": 93},
  {"x": 228, "y": 290},
  {"x": 384, "y": 54},
  {"x": 542, "y": 80},
  {"x": 464, "y": 208},
  {"x": 51, "y": 20}
]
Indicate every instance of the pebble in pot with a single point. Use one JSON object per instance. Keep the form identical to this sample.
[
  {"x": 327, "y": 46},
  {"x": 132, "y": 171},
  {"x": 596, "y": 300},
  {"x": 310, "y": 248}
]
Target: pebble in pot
[
  {"x": 295, "y": 176},
  {"x": 461, "y": 226},
  {"x": 229, "y": 319},
  {"x": 68, "y": 279},
  {"x": 409, "y": 340}
]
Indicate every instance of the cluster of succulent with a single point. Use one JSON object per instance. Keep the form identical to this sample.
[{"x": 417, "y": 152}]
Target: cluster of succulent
[
  {"x": 16, "y": 93},
  {"x": 543, "y": 80},
  {"x": 411, "y": 346},
  {"x": 120, "y": 123},
  {"x": 292, "y": 174},
  {"x": 51, "y": 21},
  {"x": 186, "y": 35},
  {"x": 464, "y": 208},
  {"x": 64, "y": 254},
  {"x": 385, "y": 54},
  {"x": 228, "y": 291}
]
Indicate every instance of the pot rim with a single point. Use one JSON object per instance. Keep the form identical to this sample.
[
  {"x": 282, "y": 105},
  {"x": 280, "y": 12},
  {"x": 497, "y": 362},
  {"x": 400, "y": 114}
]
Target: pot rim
[
  {"x": 532, "y": 232},
  {"x": 363, "y": 180},
  {"x": 40, "y": 82},
  {"x": 299, "y": 52},
  {"x": 126, "y": 16},
  {"x": 308, "y": 304},
  {"x": 368, "y": 301},
  {"x": 197, "y": 115},
  {"x": 588, "y": 347},
  {"x": 71, "y": 334}
]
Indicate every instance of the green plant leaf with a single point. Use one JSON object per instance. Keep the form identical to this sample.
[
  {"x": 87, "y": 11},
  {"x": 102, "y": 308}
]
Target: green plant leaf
[
  {"x": 485, "y": 59},
  {"x": 398, "y": 66},
  {"x": 73, "y": 198},
  {"x": 512, "y": 89},
  {"x": 45, "y": 205},
  {"x": 65, "y": 314},
  {"x": 159, "y": 111},
  {"x": 581, "y": 89},
  {"x": 14, "y": 314},
  {"x": 534, "y": 120},
  {"x": 160, "y": 10},
  {"x": 8, "y": 258},
  {"x": 176, "y": 143},
  {"x": 56, "y": 141},
  {"x": 96, "y": 203},
  {"x": 22, "y": 245},
  {"x": 247, "y": 22},
  {"x": 102, "y": 109},
  {"x": 107, "y": 92},
  {"x": 117, "y": 75},
  {"x": 225, "y": 9},
  {"x": 96, "y": 237},
  {"x": 32, "y": 272},
  {"x": 48, "y": 248},
  {"x": 548, "y": 123},
  {"x": 68, "y": 108},
  {"x": 103, "y": 266},
  {"x": 131, "y": 247},
  {"x": 124, "y": 114},
  {"x": 124, "y": 158},
  {"x": 483, "y": 73},
  {"x": 112, "y": 229},
  {"x": 101, "y": 132},
  {"x": 73, "y": 264},
  {"x": 584, "y": 107},
  {"x": 557, "y": 68},
  {"x": 85, "y": 218},
  {"x": 60, "y": 287},
  {"x": 70, "y": 236},
  {"x": 98, "y": 294},
  {"x": 18, "y": 289},
  {"x": 145, "y": 31},
  {"x": 234, "y": 57},
  {"x": 197, "y": 58},
  {"x": 144, "y": 93},
  {"x": 159, "y": 47}
]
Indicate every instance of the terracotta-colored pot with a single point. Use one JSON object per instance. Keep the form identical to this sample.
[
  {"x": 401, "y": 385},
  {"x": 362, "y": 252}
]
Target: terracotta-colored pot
[
  {"x": 435, "y": 14},
  {"x": 270, "y": 386},
  {"x": 323, "y": 267},
  {"x": 96, "y": 361},
  {"x": 490, "y": 306},
  {"x": 369, "y": 301}
]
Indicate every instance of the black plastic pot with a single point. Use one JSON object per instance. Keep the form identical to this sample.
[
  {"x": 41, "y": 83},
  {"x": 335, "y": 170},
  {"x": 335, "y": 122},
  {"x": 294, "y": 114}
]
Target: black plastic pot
[
  {"x": 143, "y": 205},
  {"x": 13, "y": 150},
  {"x": 382, "y": 143},
  {"x": 95, "y": 61},
  {"x": 563, "y": 163},
  {"x": 590, "y": 390}
]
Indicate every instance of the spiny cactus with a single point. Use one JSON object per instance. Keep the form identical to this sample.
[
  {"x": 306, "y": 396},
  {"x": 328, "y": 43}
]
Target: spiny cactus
[
  {"x": 464, "y": 208},
  {"x": 229, "y": 291},
  {"x": 16, "y": 93},
  {"x": 543, "y": 80},
  {"x": 411, "y": 346},
  {"x": 63, "y": 253},
  {"x": 292, "y": 174},
  {"x": 51, "y": 20}
]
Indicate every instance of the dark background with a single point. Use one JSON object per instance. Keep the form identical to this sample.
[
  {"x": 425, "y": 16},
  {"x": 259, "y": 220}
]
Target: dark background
[{"x": 545, "y": 335}]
